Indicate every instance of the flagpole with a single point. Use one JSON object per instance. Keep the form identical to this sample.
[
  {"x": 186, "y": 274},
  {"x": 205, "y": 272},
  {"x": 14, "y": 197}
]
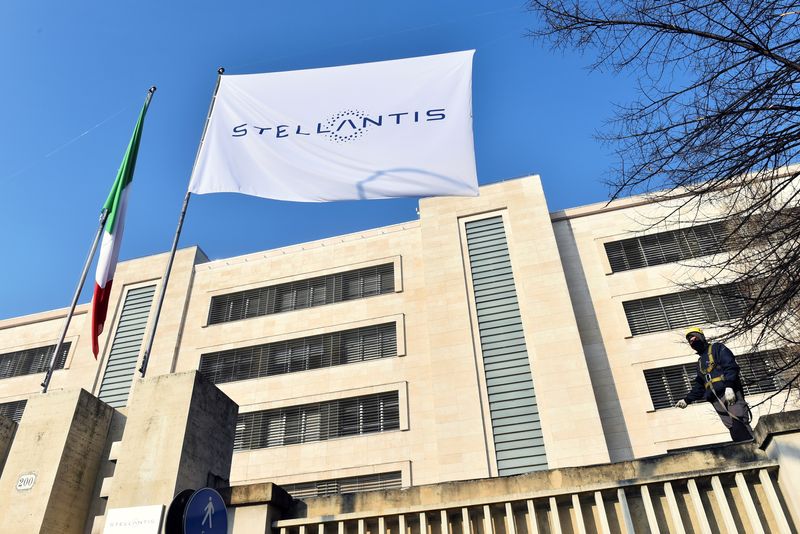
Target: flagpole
[
  {"x": 176, "y": 238},
  {"x": 103, "y": 217},
  {"x": 46, "y": 382}
]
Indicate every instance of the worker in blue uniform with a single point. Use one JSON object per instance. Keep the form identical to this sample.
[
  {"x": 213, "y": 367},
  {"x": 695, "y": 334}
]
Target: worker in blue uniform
[{"x": 719, "y": 383}]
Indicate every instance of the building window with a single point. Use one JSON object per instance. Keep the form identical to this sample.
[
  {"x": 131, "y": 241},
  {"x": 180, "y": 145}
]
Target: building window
[
  {"x": 760, "y": 373},
  {"x": 676, "y": 310},
  {"x": 326, "y": 350},
  {"x": 665, "y": 247},
  {"x": 300, "y": 294},
  {"x": 338, "y": 486},
  {"x": 31, "y": 361},
  {"x": 13, "y": 410},
  {"x": 318, "y": 422}
]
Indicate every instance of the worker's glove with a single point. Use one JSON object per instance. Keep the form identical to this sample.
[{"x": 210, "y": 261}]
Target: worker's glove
[
  {"x": 681, "y": 404},
  {"x": 730, "y": 396}
]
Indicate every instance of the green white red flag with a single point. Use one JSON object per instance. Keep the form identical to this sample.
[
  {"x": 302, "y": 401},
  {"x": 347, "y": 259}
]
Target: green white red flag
[{"x": 116, "y": 205}]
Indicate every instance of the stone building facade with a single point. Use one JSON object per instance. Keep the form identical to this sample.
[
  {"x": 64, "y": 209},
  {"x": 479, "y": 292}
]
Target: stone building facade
[{"x": 489, "y": 338}]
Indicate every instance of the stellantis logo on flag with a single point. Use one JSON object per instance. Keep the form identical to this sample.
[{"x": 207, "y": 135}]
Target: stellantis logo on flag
[
  {"x": 390, "y": 129},
  {"x": 342, "y": 127}
]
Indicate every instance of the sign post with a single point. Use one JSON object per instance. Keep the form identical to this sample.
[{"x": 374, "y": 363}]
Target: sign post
[{"x": 173, "y": 524}]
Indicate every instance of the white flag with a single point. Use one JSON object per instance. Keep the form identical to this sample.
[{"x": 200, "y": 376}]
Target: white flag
[{"x": 390, "y": 129}]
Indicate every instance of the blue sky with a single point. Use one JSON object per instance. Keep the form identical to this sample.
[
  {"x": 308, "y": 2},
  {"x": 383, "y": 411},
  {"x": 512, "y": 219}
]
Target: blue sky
[{"x": 75, "y": 75}]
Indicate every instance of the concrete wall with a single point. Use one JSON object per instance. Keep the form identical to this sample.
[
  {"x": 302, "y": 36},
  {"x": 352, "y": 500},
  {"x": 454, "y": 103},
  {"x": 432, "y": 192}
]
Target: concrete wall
[
  {"x": 556, "y": 481},
  {"x": 778, "y": 435},
  {"x": 60, "y": 442},
  {"x": 568, "y": 412},
  {"x": 587, "y": 370},
  {"x": 82, "y": 370},
  {"x": 253, "y": 508},
  {"x": 446, "y": 433},
  {"x": 178, "y": 435},
  {"x": 615, "y": 358},
  {"x": 743, "y": 487}
]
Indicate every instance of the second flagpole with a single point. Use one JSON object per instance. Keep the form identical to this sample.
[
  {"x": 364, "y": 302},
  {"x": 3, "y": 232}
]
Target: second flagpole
[{"x": 173, "y": 250}]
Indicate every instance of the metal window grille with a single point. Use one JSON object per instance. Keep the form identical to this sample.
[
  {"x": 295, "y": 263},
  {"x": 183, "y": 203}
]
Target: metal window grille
[
  {"x": 300, "y": 294},
  {"x": 676, "y": 310},
  {"x": 338, "y": 486},
  {"x": 759, "y": 373},
  {"x": 318, "y": 422},
  {"x": 326, "y": 350},
  {"x": 13, "y": 410},
  {"x": 665, "y": 247},
  {"x": 31, "y": 361}
]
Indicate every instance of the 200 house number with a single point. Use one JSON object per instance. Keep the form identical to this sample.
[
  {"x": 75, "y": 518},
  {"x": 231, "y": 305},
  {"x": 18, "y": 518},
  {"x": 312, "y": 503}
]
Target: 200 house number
[{"x": 25, "y": 482}]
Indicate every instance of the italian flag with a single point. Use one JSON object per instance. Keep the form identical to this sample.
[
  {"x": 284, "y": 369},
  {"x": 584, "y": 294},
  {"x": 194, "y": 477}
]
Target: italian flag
[{"x": 116, "y": 205}]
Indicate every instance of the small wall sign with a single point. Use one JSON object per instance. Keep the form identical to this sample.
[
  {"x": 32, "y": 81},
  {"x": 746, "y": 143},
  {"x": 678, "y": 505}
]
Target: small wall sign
[
  {"x": 134, "y": 520},
  {"x": 26, "y": 481}
]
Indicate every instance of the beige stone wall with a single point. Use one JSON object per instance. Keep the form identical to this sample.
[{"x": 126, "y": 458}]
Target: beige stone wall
[
  {"x": 445, "y": 433},
  {"x": 81, "y": 369},
  {"x": 569, "y": 416},
  {"x": 617, "y": 359},
  {"x": 587, "y": 369},
  {"x": 735, "y": 487},
  {"x": 43, "y": 329},
  {"x": 58, "y": 445},
  {"x": 178, "y": 435}
]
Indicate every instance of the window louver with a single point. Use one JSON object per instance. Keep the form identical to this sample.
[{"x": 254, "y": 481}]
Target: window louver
[
  {"x": 665, "y": 247},
  {"x": 318, "y": 422},
  {"x": 300, "y": 294},
  {"x": 124, "y": 354},
  {"x": 676, "y": 310},
  {"x": 668, "y": 385},
  {"x": 31, "y": 361},
  {"x": 326, "y": 350},
  {"x": 513, "y": 408},
  {"x": 338, "y": 486},
  {"x": 13, "y": 410}
]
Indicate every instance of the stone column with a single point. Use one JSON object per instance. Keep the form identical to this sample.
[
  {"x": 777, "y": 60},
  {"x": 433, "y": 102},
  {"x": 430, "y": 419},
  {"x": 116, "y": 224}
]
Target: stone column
[
  {"x": 253, "y": 508},
  {"x": 179, "y": 435},
  {"x": 779, "y": 435},
  {"x": 56, "y": 453}
]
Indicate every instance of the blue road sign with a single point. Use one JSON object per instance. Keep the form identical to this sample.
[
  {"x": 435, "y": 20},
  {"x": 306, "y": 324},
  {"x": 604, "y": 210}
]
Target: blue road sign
[{"x": 205, "y": 513}]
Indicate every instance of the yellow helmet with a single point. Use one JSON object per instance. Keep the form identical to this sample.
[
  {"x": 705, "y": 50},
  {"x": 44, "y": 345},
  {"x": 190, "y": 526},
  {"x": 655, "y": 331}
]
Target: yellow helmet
[{"x": 693, "y": 330}]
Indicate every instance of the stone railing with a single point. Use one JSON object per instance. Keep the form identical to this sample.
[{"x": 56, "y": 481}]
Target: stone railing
[
  {"x": 743, "y": 488},
  {"x": 734, "y": 501}
]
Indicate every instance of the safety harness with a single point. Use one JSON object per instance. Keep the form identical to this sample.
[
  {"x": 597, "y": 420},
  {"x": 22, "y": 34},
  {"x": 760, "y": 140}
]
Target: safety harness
[
  {"x": 709, "y": 368},
  {"x": 710, "y": 385}
]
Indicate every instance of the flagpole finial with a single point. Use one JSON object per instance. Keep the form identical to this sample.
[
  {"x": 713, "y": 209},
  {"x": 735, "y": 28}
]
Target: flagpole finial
[
  {"x": 221, "y": 71},
  {"x": 152, "y": 90}
]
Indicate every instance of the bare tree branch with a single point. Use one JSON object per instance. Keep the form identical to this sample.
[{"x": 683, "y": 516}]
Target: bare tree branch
[{"x": 717, "y": 120}]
